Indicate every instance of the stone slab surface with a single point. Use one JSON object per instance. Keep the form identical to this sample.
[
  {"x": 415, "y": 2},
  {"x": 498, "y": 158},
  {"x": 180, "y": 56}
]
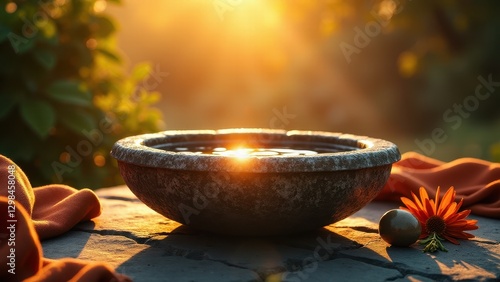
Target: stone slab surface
[{"x": 149, "y": 247}]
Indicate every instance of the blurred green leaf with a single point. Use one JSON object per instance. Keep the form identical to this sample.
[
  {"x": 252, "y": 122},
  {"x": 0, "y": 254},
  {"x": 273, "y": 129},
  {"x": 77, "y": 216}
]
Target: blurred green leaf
[
  {"x": 104, "y": 26},
  {"x": 77, "y": 120},
  {"x": 46, "y": 58},
  {"x": 69, "y": 92},
  {"x": 7, "y": 102},
  {"x": 39, "y": 115},
  {"x": 109, "y": 54}
]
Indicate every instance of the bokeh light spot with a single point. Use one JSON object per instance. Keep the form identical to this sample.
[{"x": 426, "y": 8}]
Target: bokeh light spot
[
  {"x": 11, "y": 7},
  {"x": 408, "y": 63},
  {"x": 100, "y": 6},
  {"x": 64, "y": 157},
  {"x": 99, "y": 160},
  {"x": 91, "y": 43}
]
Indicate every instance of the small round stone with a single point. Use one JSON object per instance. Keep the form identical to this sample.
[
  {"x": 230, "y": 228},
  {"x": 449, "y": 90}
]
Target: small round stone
[{"x": 399, "y": 228}]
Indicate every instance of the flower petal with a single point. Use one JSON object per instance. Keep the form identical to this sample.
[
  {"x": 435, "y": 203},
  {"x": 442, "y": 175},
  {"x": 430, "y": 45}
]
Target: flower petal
[
  {"x": 417, "y": 201},
  {"x": 416, "y": 212},
  {"x": 450, "y": 211},
  {"x": 457, "y": 225},
  {"x": 429, "y": 208},
  {"x": 409, "y": 203},
  {"x": 436, "y": 199},
  {"x": 451, "y": 239},
  {"x": 459, "y": 235},
  {"x": 423, "y": 194},
  {"x": 468, "y": 235},
  {"x": 433, "y": 206},
  {"x": 464, "y": 213},
  {"x": 471, "y": 226},
  {"x": 414, "y": 209},
  {"x": 459, "y": 205},
  {"x": 447, "y": 199}
]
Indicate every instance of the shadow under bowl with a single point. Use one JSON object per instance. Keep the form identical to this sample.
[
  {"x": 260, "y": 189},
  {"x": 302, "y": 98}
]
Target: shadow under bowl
[{"x": 177, "y": 174}]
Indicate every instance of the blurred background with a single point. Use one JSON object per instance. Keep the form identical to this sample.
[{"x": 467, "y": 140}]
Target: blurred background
[{"x": 75, "y": 76}]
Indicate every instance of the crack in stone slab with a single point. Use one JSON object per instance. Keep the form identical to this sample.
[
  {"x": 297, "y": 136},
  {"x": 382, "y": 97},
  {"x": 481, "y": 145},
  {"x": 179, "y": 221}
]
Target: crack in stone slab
[
  {"x": 199, "y": 255},
  {"x": 203, "y": 256},
  {"x": 342, "y": 270},
  {"x": 293, "y": 265},
  {"x": 400, "y": 267},
  {"x": 170, "y": 250},
  {"x": 264, "y": 274},
  {"x": 341, "y": 247},
  {"x": 119, "y": 198},
  {"x": 491, "y": 279},
  {"x": 259, "y": 273},
  {"x": 104, "y": 232},
  {"x": 129, "y": 234},
  {"x": 189, "y": 254},
  {"x": 487, "y": 242},
  {"x": 364, "y": 229}
]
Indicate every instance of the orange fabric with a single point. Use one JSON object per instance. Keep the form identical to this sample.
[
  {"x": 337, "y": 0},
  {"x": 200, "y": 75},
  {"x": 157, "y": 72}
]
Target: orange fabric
[
  {"x": 476, "y": 181},
  {"x": 28, "y": 215}
]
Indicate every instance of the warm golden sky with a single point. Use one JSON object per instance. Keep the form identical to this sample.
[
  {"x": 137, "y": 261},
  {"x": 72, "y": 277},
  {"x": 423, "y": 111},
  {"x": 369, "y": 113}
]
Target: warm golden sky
[{"x": 238, "y": 65}]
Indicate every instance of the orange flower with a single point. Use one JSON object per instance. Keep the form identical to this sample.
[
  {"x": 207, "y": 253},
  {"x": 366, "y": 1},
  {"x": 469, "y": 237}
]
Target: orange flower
[{"x": 440, "y": 219}]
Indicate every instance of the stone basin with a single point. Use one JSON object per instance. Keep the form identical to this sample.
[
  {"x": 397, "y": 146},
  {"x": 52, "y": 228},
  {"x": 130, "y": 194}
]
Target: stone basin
[{"x": 175, "y": 174}]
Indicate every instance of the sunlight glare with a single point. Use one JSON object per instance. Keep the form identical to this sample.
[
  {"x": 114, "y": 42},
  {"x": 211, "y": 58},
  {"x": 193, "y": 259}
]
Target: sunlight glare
[
  {"x": 256, "y": 19},
  {"x": 239, "y": 153},
  {"x": 242, "y": 153}
]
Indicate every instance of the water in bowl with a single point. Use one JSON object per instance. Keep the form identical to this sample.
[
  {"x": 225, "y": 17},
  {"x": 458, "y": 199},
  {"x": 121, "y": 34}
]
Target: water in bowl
[
  {"x": 252, "y": 152},
  {"x": 248, "y": 152}
]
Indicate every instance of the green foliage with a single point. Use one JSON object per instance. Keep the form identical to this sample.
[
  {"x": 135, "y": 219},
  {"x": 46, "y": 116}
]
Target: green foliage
[
  {"x": 64, "y": 96},
  {"x": 39, "y": 115}
]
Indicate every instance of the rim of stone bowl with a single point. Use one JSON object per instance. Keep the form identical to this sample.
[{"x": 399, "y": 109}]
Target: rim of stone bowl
[{"x": 361, "y": 151}]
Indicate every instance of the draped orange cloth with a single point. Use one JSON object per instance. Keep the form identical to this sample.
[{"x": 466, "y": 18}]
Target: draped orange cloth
[
  {"x": 29, "y": 214},
  {"x": 476, "y": 181}
]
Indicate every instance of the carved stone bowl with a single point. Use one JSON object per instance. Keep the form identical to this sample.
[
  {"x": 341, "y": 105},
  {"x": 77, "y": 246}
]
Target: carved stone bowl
[{"x": 173, "y": 173}]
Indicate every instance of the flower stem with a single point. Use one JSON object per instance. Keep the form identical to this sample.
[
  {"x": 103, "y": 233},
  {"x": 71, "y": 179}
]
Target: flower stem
[{"x": 433, "y": 243}]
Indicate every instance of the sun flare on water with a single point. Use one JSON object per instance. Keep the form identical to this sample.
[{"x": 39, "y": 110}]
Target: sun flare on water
[{"x": 238, "y": 153}]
